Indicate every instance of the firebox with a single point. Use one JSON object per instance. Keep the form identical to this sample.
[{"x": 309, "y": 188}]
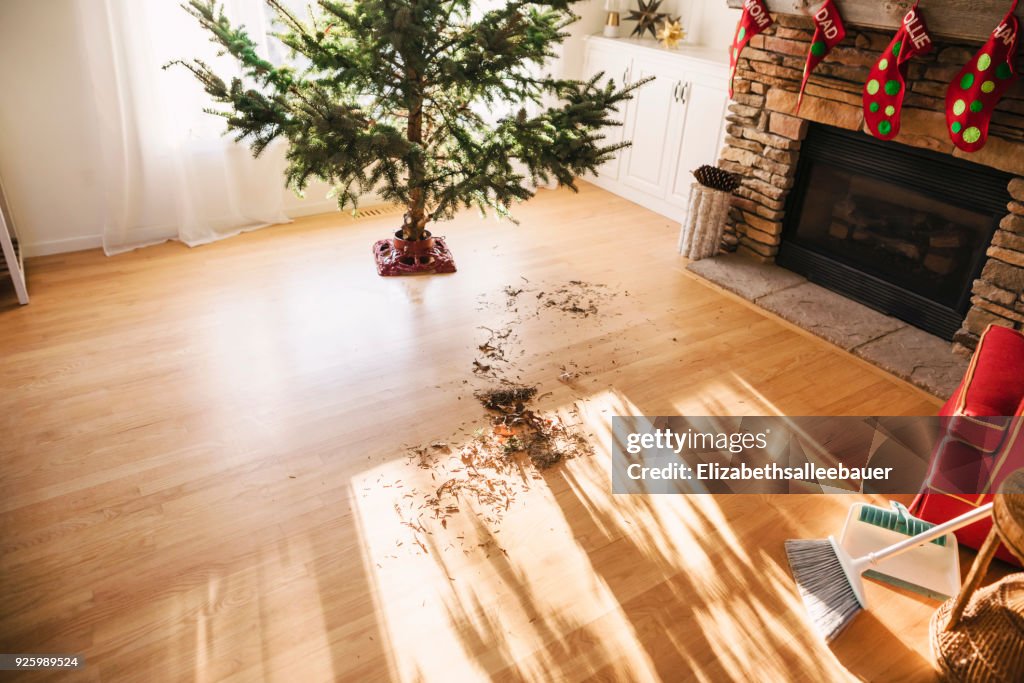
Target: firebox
[{"x": 900, "y": 229}]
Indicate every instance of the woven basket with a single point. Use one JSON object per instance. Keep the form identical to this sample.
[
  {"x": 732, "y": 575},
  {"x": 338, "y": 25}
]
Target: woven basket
[
  {"x": 988, "y": 644},
  {"x": 700, "y": 235}
]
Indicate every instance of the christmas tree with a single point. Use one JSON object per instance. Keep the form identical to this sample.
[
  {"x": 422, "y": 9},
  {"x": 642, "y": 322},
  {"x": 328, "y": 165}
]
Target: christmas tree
[{"x": 395, "y": 96}]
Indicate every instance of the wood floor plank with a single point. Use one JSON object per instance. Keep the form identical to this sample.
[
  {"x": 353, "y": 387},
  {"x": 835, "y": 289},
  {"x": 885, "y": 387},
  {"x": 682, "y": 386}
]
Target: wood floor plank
[{"x": 202, "y": 450}]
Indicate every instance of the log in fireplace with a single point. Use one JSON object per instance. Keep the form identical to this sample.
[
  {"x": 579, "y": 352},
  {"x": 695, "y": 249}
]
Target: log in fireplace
[{"x": 901, "y": 229}]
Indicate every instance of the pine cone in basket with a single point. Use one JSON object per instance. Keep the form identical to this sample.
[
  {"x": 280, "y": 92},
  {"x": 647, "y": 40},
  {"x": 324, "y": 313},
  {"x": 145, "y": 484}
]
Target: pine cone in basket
[{"x": 716, "y": 178}]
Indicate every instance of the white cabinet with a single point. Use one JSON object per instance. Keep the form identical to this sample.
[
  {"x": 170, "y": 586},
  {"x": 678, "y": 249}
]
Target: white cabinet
[
  {"x": 703, "y": 130},
  {"x": 607, "y": 61},
  {"x": 653, "y": 127},
  {"x": 675, "y": 123}
]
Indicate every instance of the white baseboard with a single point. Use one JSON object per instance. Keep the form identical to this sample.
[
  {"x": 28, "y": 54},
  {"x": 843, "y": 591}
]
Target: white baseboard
[
  {"x": 308, "y": 208},
  {"x": 48, "y": 247},
  {"x": 669, "y": 210},
  {"x": 303, "y": 208}
]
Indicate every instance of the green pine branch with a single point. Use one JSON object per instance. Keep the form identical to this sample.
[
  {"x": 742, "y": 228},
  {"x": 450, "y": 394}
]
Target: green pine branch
[{"x": 394, "y": 96}]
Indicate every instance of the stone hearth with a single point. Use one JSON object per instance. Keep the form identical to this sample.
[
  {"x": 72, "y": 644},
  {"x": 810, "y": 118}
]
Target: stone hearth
[
  {"x": 764, "y": 139},
  {"x": 893, "y": 345}
]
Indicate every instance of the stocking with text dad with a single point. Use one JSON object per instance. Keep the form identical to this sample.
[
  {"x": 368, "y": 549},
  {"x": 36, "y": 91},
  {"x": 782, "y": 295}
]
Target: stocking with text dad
[{"x": 828, "y": 32}]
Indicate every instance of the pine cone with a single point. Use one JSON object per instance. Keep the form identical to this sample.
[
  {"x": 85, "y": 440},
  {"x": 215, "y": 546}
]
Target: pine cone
[{"x": 716, "y": 178}]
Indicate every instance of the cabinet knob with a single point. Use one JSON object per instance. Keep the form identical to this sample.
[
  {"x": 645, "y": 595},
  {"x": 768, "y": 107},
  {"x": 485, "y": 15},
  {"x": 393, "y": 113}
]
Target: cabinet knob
[
  {"x": 675, "y": 91},
  {"x": 625, "y": 76}
]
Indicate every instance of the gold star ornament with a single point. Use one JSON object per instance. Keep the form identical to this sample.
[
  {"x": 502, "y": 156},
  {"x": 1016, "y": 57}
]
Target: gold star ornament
[{"x": 670, "y": 33}]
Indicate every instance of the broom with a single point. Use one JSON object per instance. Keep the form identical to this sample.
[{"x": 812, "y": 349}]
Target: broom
[{"x": 829, "y": 580}]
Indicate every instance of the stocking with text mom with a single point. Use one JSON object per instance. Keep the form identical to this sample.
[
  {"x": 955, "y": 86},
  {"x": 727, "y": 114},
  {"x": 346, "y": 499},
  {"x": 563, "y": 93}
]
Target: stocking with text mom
[{"x": 755, "y": 18}]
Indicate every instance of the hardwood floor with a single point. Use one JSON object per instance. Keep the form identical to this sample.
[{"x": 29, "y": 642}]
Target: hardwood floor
[{"x": 206, "y": 469}]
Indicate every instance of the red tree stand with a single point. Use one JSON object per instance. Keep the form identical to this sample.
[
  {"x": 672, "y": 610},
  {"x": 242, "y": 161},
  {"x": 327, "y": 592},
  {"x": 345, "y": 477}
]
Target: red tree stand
[{"x": 429, "y": 255}]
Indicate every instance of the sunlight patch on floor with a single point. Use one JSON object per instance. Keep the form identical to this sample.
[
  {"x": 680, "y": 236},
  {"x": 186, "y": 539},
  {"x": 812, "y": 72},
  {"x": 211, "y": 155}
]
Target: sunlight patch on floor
[
  {"x": 474, "y": 598},
  {"x": 723, "y": 396},
  {"x": 744, "y": 603}
]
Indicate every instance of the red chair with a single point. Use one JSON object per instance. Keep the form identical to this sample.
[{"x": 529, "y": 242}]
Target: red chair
[{"x": 983, "y": 439}]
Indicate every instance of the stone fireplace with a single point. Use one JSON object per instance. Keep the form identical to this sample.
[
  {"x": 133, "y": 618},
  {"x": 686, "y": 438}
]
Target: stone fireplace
[{"x": 944, "y": 251}]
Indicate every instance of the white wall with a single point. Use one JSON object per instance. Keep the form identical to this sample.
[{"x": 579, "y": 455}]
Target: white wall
[
  {"x": 570, "y": 62},
  {"x": 45, "y": 124},
  {"x": 707, "y": 22},
  {"x": 716, "y": 23},
  {"x": 47, "y": 156}
]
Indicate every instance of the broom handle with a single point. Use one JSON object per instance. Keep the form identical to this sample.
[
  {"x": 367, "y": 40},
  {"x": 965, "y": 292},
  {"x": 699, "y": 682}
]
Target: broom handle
[{"x": 930, "y": 535}]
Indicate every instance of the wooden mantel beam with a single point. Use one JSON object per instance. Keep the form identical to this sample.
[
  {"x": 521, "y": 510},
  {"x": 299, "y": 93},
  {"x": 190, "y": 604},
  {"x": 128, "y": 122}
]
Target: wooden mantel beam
[{"x": 972, "y": 20}]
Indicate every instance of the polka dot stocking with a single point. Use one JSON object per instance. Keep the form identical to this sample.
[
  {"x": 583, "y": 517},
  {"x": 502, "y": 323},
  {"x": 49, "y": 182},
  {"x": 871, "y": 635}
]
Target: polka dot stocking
[
  {"x": 886, "y": 84},
  {"x": 979, "y": 86}
]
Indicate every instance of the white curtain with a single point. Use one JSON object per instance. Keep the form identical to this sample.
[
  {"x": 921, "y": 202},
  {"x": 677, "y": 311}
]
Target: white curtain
[{"x": 169, "y": 173}]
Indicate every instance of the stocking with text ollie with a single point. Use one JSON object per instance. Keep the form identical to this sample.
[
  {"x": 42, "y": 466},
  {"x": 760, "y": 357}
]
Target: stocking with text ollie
[
  {"x": 886, "y": 84},
  {"x": 979, "y": 86}
]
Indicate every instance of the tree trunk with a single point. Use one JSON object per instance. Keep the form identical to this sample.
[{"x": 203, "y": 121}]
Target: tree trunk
[{"x": 416, "y": 218}]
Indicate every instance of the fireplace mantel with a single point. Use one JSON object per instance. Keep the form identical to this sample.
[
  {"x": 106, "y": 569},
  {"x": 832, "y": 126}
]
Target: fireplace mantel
[{"x": 971, "y": 20}]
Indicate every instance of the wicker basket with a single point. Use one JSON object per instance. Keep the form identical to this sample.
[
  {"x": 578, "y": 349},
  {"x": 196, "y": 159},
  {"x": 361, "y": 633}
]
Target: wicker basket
[
  {"x": 701, "y": 233},
  {"x": 988, "y": 644}
]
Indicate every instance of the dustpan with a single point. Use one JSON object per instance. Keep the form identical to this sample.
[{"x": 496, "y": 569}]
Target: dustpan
[{"x": 932, "y": 569}]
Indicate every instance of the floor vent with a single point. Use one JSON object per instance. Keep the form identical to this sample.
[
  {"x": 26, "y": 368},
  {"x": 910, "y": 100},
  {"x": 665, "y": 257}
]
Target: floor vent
[{"x": 376, "y": 212}]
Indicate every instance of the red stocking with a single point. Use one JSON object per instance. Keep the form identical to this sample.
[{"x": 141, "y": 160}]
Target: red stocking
[
  {"x": 978, "y": 87},
  {"x": 886, "y": 86},
  {"x": 755, "y": 18},
  {"x": 828, "y": 32}
]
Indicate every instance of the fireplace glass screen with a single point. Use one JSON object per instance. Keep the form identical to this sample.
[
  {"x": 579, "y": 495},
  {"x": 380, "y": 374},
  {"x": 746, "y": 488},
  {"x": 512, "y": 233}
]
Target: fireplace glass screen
[{"x": 900, "y": 229}]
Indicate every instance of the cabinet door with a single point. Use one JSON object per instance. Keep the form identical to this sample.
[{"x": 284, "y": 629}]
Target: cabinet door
[
  {"x": 702, "y": 132},
  {"x": 653, "y": 128},
  {"x": 614, "y": 66}
]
